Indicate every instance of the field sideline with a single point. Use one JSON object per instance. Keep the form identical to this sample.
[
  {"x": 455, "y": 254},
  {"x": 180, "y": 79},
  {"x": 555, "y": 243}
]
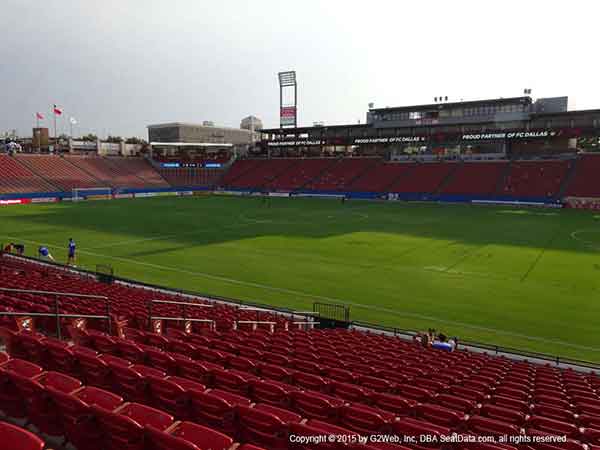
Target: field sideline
[{"x": 523, "y": 278}]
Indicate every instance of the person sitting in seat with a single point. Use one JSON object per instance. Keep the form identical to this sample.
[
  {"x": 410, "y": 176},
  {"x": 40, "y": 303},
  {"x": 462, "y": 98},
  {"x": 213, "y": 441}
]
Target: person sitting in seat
[
  {"x": 453, "y": 342},
  {"x": 8, "y": 248},
  {"x": 44, "y": 253},
  {"x": 441, "y": 343},
  {"x": 19, "y": 248}
]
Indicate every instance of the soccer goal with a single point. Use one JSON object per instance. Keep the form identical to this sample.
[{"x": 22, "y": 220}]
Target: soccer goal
[{"x": 98, "y": 193}]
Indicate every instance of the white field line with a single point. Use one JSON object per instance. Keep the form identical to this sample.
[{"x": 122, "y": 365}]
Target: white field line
[
  {"x": 590, "y": 244},
  {"x": 329, "y": 299}
]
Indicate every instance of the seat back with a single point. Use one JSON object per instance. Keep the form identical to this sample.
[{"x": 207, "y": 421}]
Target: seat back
[
  {"x": 168, "y": 395},
  {"x": 119, "y": 432},
  {"x": 19, "y": 438}
]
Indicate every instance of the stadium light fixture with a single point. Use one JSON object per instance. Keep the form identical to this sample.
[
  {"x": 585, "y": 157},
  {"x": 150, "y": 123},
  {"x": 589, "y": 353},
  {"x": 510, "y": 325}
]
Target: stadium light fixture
[
  {"x": 288, "y": 112},
  {"x": 287, "y": 78}
]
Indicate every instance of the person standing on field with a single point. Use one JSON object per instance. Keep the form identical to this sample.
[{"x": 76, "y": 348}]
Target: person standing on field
[{"x": 72, "y": 247}]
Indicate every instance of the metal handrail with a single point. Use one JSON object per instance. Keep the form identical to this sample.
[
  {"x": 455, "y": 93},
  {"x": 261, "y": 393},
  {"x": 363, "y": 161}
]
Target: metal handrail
[
  {"x": 171, "y": 302},
  {"x": 256, "y": 321},
  {"x": 56, "y": 304},
  {"x": 180, "y": 318},
  {"x": 35, "y": 314},
  {"x": 65, "y": 294},
  {"x": 212, "y": 322}
]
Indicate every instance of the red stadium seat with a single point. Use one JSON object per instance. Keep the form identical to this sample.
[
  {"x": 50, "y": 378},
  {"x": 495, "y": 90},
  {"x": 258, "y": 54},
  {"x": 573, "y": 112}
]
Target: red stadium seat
[
  {"x": 76, "y": 420},
  {"x": 128, "y": 383},
  {"x": 276, "y": 372},
  {"x": 272, "y": 392},
  {"x": 504, "y": 414},
  {"x": 93, "y": 370},
  {"x": 103, "y": 343},
  {"x": 365, "y": 420},
  {"x": 547, "y": 425},
  {"x": 161, "y": 360},
  {"x": 216, "y": 409},
  {"x": 130, "y": 351},
  {"x": 233, "y": 381},
  {"x": 186, "y": 436},
  {"x": 455, "y": 403},
  {"x": 310, "y": 381},
  {"x": 60, "y": 357},
  {"x": 19, "y": 438},
  {"x": 31, "y": 347},
  {"x": 396, "y": 404},
  {"x": 486, "y": 426},
  {"x": 186, "y": 383},
  {"x": 123, "y": 428},
  {"x": 315, "y": 405},
  {"x": 419, "y": 430},
  {"x": 350, "y": 392},
  {"x": 317, "y": 429},
  {"x": 262, "y": 427},
  {"x": 199, "y": 371},
  {"x": 168, "y": 396},
  {"x": 440, "y": 415}
]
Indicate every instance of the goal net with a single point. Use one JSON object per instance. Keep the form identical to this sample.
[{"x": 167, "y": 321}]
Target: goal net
[{"x": 98, "y": 193}]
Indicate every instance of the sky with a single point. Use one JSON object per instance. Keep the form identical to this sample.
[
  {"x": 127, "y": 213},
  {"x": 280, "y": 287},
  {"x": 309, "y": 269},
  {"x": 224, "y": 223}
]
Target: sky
[{"x": 120, "y": 65}]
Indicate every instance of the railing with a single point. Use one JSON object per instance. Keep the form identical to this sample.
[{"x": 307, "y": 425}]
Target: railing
[
  {"x": 57, "y": 313},
  {"x": 255, "y": 323},
  {"x": 183, "y": 317}
]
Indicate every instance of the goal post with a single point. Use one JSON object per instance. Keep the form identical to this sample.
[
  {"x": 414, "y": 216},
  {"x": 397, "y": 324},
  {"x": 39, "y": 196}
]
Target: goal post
[{"x": 97, "y": 193}]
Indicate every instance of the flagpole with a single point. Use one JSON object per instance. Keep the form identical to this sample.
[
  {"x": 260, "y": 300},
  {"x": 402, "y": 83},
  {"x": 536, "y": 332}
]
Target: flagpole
[{"x": 55, "y": 136}]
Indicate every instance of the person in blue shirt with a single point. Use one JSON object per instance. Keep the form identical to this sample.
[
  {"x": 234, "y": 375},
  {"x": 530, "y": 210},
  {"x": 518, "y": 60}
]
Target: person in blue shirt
[
  {"x": 71, "y": 259},
  {"x": 44, "y": 253}
]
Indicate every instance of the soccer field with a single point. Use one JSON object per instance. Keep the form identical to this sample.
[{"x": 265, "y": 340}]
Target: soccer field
[{"x": 523, "y": 278}]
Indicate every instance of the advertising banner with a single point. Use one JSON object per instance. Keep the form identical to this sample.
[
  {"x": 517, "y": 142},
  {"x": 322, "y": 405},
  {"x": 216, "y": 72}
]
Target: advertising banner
[
  {"x": 15, "y": 201},
  {"x": 44, "y": 200}
]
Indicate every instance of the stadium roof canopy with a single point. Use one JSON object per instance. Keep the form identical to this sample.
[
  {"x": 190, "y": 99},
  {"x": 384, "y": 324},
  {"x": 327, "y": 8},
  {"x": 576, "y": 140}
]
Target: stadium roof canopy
[
  {"x": 190, "y": 144},
  {"x": 468, "y": 104}
]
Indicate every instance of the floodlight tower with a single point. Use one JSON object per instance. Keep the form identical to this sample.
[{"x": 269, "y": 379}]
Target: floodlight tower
[{"x": 288, "y": 112}]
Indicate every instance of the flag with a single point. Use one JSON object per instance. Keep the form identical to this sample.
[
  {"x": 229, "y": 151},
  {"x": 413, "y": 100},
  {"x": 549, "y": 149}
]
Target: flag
[
  {"x": 57, "y": 111},
  {"x": 73, "y": 121},
  {"x": 39, "y": 116}
]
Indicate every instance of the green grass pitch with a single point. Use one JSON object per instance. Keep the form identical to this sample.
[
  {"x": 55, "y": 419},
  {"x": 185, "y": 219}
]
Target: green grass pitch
[{"x": 522, "y": 278}]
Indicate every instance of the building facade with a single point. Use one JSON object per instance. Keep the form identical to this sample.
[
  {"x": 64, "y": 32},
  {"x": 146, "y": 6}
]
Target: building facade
[{"x": 191, "y": 133}]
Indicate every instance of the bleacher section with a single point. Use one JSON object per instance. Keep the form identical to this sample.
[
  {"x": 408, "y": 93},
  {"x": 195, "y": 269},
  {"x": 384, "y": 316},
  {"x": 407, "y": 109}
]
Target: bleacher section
[
  {"x": 253, "y": 386},
  {"x": 535, "y": 178},
  {"x": 586, "y": 179},
  {"x": 305, "y": 171},
  {"x": 264, "y": 173},
  {"x": 17, "y": 178},
  {"x": 188, "y": 177},
  {"x": 381, "y": 177},
  {"x": 60, "y": 171},
  {"x": 108, "y": 172},
  {"x": 476, "y": 178},
  {"x": 338, "y": 176},
  {"x": 423, "y": 178},
  {"x": 142, "y": 169},
  {"x": 239, "y": 168}
]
